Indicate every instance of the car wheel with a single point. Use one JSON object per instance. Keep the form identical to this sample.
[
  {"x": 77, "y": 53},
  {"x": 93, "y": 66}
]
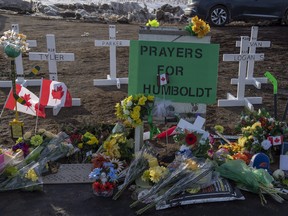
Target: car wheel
[{"x": 218, "y": 16}]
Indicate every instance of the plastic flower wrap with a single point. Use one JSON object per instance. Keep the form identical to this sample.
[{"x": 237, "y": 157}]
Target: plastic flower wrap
[
  {"x": 9, "y": 158},
  {"x": 105, "y": 178},
  {"x": 190, "y": 174},
  {"x": 14, "y": 43},
  {"x": 155, "y": 172},
  {"x": 136, "y": 168},
  {"x": 255, "y": 180},
  {"x": 198, "y": 27},
  {"x": 27, "y": 178},
  {"x": 133, "y": 109},
  {"x": 57, "y": 147}
]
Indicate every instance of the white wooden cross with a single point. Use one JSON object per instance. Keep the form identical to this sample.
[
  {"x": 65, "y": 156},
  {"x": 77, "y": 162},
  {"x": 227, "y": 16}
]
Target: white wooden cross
[
  {"x": 19, "y": 67},
  {"x": 253, "y": 44},
  {"x": 244, "y": 57},
  {"x": 112, "y": 43},
  {"x": 53, "y": 57}
]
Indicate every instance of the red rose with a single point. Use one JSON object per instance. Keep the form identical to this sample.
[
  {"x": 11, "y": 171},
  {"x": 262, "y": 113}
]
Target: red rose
[{"x": 191, "y": 139}]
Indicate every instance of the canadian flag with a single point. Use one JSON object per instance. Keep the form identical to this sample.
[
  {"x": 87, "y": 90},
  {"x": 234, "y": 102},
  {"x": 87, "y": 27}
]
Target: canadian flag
[
  {"x": 31, "y": 102},
  {"x": 54, "y": 94},
  {"x": 276, "y": 140},
  {"x": 163, "y": 79}
]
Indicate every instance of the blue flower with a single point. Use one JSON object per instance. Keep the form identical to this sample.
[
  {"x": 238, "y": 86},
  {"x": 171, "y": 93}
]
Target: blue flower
[
  {"x": 108, "y": 165},
  {"x": 94, "y": 175},
  {"x": 112, "y": 174}
]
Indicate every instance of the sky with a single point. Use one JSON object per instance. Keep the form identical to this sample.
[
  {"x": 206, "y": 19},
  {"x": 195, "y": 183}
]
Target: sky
[{"x": 151, "y": 4}]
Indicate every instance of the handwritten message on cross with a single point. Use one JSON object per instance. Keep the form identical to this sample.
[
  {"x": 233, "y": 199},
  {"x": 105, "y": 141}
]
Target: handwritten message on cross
[
  {"x": 112, "y": 43},
  {"x": 243, "y": 58},
  {"x": 253, "y": 44},
  {"x": 51, "y": 56}
]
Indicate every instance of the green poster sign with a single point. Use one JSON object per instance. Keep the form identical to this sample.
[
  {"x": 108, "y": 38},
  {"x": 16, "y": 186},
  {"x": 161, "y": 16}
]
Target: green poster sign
[{"x": 192, "y": 70}]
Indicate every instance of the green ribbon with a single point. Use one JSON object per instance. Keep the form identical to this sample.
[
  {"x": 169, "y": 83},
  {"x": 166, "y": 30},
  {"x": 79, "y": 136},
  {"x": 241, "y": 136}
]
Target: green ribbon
[{"x": 273, "y": 80}]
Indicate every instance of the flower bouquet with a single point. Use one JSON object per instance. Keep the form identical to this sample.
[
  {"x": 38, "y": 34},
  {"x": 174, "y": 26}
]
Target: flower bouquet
[
  {"x": 105, "y": 178},
  {"x": 255, "y": 180},
  {"x": 136, "y": 168},
  {"x": 198, "y": 27},
  {"x": 118, "y": 146},
  {"x": 50, "y": 150},
  {"x": 27, "y": 178},
  {"x": 14, "y": 43},
  {"x": 189, "y": 175},
  {"x": 195, "y": 142},
  {"x": 133, "y": 109},
  {"x": 261, "y": 132}
]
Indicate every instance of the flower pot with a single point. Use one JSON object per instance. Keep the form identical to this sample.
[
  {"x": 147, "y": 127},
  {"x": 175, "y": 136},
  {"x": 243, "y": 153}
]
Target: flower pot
[
  {"x": 12, "y": 50},
  {"x": 105, "y": 193}
]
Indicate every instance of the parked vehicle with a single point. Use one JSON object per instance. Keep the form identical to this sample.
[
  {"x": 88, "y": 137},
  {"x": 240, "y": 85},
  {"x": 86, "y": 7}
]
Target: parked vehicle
[{"x": 221, "y": 12}]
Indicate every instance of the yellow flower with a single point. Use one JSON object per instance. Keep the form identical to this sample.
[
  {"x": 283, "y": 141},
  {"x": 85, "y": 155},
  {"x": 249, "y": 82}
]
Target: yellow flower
[
  {"x": 219, "y": 128},
  {"x": 142, "y": 101},
  {"x": 152, "y": 23},
  {"x": 146, "y": 175},
  {"x": 93, "y": 140},
  {"x": 255, "y": 125},
  {"x": 153, "y": 162},
  {"x": 80, "y": 145},
  {"x": 241, "y": 141},
  {"x": 112, "y": 149},
  {"x": 31, "y": 175},
  {"x": 150, "y": 98},
  {"x": 192, "y": 165},
  {"x": 156, "y": 173}
]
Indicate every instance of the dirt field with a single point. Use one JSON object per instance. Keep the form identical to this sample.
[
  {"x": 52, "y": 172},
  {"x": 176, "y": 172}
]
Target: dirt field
[{"x": 93, "y": 63}]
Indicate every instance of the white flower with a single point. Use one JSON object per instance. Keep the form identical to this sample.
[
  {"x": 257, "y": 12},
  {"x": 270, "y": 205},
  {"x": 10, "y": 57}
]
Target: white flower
[
  {"x": 118, "y": 165},
  {"x": 126, "y": 112},
  {"x": 129, "y": 103},
  {"x": 278, "y": 174},
  {"x": 266, "y": 144},
  {"x": 129, "y": 120}
]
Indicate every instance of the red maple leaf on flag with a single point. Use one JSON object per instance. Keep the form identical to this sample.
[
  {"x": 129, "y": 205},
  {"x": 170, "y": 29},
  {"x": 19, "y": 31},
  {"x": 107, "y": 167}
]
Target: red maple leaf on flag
[
  {"x": 40, "y": 111},
  {"x": 58, "y": 94},
  {"x": 26, "y": 97}
]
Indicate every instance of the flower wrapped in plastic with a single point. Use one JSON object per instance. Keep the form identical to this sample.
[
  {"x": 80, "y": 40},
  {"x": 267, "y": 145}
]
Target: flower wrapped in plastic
[
  {"x": 138, "y": 165},
  {"x": 255, "y": 180},
  {"x": 58, "y": 147},
  {"x": 27, "y": 178},
  {"x": 8, "y": 157},
  {"x": 197, "y": 174},
  {"x": 178, "y": 169}
]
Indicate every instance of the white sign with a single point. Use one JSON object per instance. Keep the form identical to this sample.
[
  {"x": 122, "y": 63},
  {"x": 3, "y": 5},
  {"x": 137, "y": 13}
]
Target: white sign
[
  {"x": 112, "y": 43},
  {"x": 51, "y": 56}
]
